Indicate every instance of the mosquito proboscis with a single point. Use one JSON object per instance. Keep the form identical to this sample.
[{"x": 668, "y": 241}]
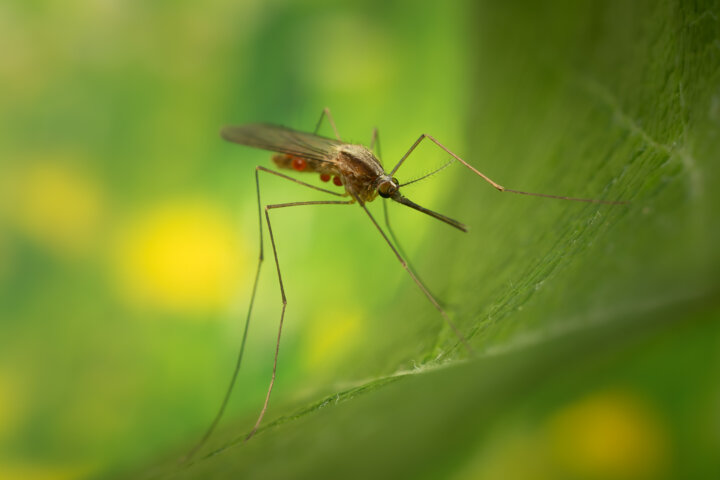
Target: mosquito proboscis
[{"x": 360, "y": 173}]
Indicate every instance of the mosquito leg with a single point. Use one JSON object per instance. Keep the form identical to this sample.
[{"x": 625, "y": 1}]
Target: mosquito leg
[
  {"x": 385, "y": 203},
  {"x": 389, "y": 228},
  {"x": 487, "y": 179},
  {"x": 392, "y": 233},
  {"x": 375, "y": 142},
  {"x": 286, "y": 177},
  {"x": 221, "y": 410},
  {"x": 282, "y": 294},
  {"x": 417, "y": 281},
  {"x": 326, "y": 113}
]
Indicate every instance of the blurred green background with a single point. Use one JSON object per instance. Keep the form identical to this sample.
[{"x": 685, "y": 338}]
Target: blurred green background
[{"x": 128, "y": 241}]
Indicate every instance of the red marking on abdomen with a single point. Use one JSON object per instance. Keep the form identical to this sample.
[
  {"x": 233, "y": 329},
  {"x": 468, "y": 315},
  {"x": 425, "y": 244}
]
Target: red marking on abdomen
[
  {"x": 325, "y": 177},
  {"x": 299, "y": 164},
  {"x": 337, "y": 180}
]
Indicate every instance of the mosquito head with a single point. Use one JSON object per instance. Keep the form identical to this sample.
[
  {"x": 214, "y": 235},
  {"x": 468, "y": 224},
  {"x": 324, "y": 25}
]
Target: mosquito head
[{"x": 387, "y": 186}]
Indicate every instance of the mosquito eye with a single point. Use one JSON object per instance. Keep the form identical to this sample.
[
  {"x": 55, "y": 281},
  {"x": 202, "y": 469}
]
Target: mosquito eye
[{"x": 386, "y": 189}]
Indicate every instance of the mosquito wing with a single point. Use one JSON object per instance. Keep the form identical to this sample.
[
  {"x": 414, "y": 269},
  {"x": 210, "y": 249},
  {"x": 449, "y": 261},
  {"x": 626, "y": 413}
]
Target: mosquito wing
[{"x": 282, "y": 140}]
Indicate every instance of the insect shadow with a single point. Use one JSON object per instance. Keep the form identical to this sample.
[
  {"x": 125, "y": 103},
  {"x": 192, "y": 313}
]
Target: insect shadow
[{"x": 359, "y": 171}]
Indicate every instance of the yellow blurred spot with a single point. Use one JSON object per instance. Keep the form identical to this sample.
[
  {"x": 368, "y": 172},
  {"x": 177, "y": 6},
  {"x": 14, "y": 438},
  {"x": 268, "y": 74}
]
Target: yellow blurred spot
[
  {"x": 609, "y": 435},
  {"x": 56, "y": 204},
  {"x": 32, "y": 471},
  {"x": 182, "y": 257},
  {"x": 330, "y": 337}
]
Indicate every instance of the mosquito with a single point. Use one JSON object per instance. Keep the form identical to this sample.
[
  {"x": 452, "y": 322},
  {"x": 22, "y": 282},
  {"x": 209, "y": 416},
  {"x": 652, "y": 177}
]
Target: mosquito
[{"x": 359, "y": 171}]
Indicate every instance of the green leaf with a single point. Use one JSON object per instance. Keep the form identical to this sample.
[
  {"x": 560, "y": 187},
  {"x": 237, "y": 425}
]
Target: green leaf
[{"x": 563, "y": 301}]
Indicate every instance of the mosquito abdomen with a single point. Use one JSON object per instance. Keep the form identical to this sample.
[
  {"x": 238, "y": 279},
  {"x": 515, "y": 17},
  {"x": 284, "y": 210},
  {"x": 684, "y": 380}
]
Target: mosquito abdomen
[{"x": 299, "y": 164}]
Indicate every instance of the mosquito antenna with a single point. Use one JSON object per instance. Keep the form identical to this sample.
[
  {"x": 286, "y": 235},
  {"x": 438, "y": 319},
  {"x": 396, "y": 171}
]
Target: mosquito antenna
[{"x": 443, "y": 167}]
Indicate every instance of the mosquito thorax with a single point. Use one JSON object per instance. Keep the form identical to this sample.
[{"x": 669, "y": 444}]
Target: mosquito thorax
[{"x": 387, "y": 186}]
